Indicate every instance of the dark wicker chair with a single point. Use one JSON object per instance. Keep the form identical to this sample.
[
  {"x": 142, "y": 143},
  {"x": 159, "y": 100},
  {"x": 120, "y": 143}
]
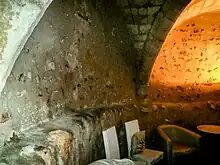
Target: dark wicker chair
[{"x": 176, "y": 141}]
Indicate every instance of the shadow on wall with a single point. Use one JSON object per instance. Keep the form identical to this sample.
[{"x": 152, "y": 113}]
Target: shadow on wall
[{"x": 117, "y": 34}]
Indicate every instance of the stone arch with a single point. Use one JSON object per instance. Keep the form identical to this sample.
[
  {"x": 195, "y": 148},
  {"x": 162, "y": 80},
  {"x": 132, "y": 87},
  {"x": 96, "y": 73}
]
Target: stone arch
[
  {"x": 188, "y": 69},
  {"x": 148, "y": 23}
]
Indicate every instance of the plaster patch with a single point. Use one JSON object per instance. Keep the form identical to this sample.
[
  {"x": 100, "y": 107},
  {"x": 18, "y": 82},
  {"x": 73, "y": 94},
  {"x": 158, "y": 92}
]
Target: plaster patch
[
  {"x": 28, "y": 150},
  {"x": 29, "y": 75},
  {"x": 50, "y": 65},
  {"x": 21, "y": 94},
  {"x": 39, "y": 114}
]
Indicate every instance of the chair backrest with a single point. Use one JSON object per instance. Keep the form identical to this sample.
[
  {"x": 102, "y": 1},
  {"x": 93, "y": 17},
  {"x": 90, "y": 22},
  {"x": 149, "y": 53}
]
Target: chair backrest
[
  {"x": 111, "y": 143},
  {"x": 131, "y": 128},
  {"x": 179, "y": 134}
]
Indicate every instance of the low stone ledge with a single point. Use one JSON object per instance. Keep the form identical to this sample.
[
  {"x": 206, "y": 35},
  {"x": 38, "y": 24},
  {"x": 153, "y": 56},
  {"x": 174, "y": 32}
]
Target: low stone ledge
[{"x": 36, "y": 147}]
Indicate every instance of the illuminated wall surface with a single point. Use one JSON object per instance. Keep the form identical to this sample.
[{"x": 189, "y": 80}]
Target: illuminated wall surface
[{"x": 188, "y": 65}]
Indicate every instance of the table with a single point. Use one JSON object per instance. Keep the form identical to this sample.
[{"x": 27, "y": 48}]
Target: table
[
  {"x": 210, "y": 142},
  {"x": 209, "y": 129}
]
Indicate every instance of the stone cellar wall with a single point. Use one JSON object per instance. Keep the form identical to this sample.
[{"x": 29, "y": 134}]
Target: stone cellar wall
[{"x": 76, "y": 77}]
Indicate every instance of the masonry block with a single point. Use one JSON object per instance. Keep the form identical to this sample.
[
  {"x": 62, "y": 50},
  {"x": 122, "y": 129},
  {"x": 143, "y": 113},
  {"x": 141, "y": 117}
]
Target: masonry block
[
  {"x": 140, "y": 2},
  {"x": 142, "y": 11},
  {"x": 161, "y": 26},
  {"x": 139, "y": 45},
  {"x": 144, "y": 29},
  {"x": 147, "y": 20},
  {"x": 133, "y": 29},
  {"x": 140, "y": 37},
  {"x": 122, "y": 3},
  {"x": 153, "y": 46},
  {"x": 128, "y": 11},
  {"x": 157, "y": 2}
]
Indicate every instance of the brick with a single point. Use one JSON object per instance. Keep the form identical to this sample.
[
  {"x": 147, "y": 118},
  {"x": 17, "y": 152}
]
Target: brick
[
  {"x": 153, "y": 10},
  {"x": 128, "y": 11},
  {"x": 133, "y": 29},
  {"x": 134, "y": 11},
  {"x": 142, "y": 11},
  {"x": 140, "y": 37},
  {"x": 161, "y": 27},
  {"x": 147, "y": 20},
  {"x": 157, "y": 2},
  {"x": 144, "y": 29},
  {"x": 122, "y": 2},
  {"x": 140, "y": 2},
  {"x": 152, "y": 47},
  {"x": 139, "y": 45}
]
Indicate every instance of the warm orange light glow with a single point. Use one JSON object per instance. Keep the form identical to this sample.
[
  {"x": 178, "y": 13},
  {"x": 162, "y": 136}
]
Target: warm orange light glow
[
  {"x": 197, "y": 7},
  {"x": 188, "y": 65}
]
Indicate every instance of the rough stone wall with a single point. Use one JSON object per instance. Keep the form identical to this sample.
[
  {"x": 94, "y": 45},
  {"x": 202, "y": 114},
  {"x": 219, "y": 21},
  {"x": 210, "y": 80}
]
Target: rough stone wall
[
  {"x": 73, "y": 59},
  {"x": 76, "y": 59}
]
